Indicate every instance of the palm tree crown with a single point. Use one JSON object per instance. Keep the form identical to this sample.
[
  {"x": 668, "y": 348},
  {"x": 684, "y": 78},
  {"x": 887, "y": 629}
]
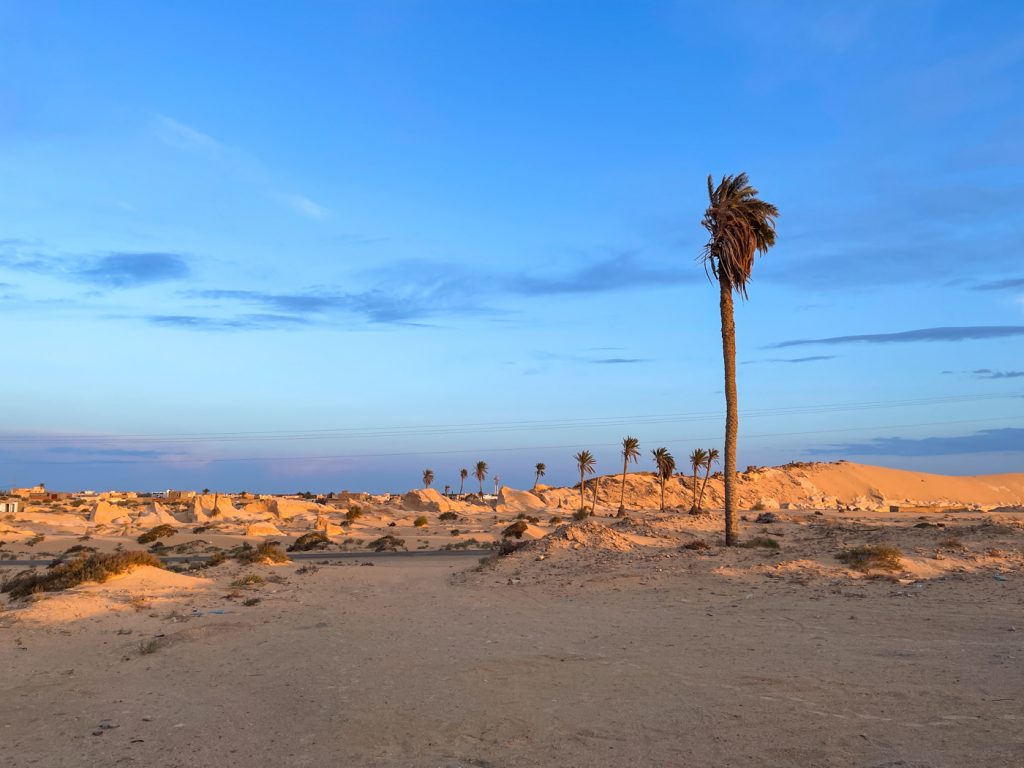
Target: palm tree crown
[
  {"x": 585, "y": 462},
  {"x": 741, "y": 225},
  {"x": 630, "y": 452},
  {"x": 539, "y": 469},
  {"x": 480, "y": 474},
  {"x": 428, "y": 477}
]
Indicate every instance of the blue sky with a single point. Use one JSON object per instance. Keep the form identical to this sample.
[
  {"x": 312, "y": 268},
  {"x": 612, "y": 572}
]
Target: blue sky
[{"x": 326, "y": 245}]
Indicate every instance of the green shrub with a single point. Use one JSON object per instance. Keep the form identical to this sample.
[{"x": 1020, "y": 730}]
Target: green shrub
[
  {"x": 156, "y": 533},
  {"x": 310, "y": 541},
  {"x": 446, "y": 516},
  {"x": 580, "y": 514},
  {"x": 421, "y": 521},
  {"x": 95, "y": 567},
  {"x": 884, "y": 558},
  {"x": 249, "y": 580}
]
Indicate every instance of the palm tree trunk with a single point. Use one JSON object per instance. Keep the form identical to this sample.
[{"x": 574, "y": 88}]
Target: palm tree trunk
[
  {"x": 695, "y": 488},
  {"x": 732, "y": 418},
  {"x": 622, "y": 496},
  {"x": 462, "y": 483},
  {"x": 583, "y": 505},
  {"x": 481, "y": 486},
  {"x": 536, "y": 480},
  {"x": 662, "y": 493},
  {"x": 707, "y": 474},
  {"x": 593, "y": 503}
]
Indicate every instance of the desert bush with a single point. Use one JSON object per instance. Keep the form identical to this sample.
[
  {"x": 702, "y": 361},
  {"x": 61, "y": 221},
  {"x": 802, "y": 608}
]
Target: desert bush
[
  {"x": 508, "y": 547},
  {"x": 156, "y": 533},
  {"x": 201, "y": 528},
  {"x": 248, "y": 580},
  {"x": 147, "y": 647},
  {"x": 310, "y": 541},
  {"x": 760, "y": 541},
  {"x": 354, "y": 513},
  {"x": 951, "y": 542},
  {"x": 95, "y": 567},
  {"x": 387, "y": 543},
  {"x": 696, "y": 544},
  {"x": 758, "y": 507},
  {"x": 34, "y": 540},
  {"x": 421, "y": 521},
  {"x": 447, "y": 516},
  {"x": 464, "y": 544},
  {"x": 884, "y": 558},
  {"x": 555, "y": 520},
  {"x": 455, "y": 531},
  {"x": 517, "y": 529},
  {"x": 580, "y": 514},
  {"x": 250, "y": 601},
  {"x": 307, "y": 569},
  {"x": 266, "y": 553}
]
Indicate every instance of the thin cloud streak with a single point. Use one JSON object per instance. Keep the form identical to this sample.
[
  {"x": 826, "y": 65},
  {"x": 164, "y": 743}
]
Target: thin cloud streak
[
  {"x": 1003, "y": 440},
  {"x": 950, "y": 333}
]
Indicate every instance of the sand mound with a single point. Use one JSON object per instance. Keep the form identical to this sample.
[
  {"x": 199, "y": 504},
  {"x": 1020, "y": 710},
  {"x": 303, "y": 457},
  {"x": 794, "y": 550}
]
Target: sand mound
[
  {"x": 511, "y": 501},
  {"x": 262, "y": 529},
  {"x": 425, "y": 500},
  {"x": 583, "y": 535},
  {"x": 107, "y": 512}
]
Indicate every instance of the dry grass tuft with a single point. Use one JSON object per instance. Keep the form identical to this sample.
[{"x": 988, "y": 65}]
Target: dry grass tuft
[
  {"x": 760, "y": 541},
  {"x": 266, "y": 553},
  {"x": 879, "y": 556}
]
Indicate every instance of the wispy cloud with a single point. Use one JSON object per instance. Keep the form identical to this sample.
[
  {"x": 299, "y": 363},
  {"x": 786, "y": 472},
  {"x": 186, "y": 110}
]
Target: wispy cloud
[
  {"x": 988, "y": 373},
  {"x": 306, "y": 207},
  {"x": 618, "y": 360},
  {"x": 180, "y": 135},
  {"x": 1006, "y": 439},
  {"x": 617, "y": 272},
  {"x": 952, "y": 333},
  {"x": 237, "y": 162},
  {"x": 120, "y": 269},
  {"x": 1001, "y": 285},
  {"x": 809, "y": 359},
  {"x": 238, "y": 323},
  {"x": 127, "y": 270}
]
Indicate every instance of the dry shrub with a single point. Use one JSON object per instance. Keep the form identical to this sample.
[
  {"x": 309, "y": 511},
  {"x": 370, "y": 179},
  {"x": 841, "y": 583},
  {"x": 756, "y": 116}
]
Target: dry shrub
[
  {"x": 313, "y": 540},
  {"x": 157, "y": 533},
  {"x": 266, "y": 553},
  {"x": 421, "y": 521},
  {"x": 517, "y": 529},
  {"x": 248, "y": 580},
  {"x": 94, "y": 567},
  {"x": 696, "y": 544},
  {"x": 445, "y": 516},
  {"x": 387, "y": 543},
  {"x": 879, "y": 556},
  {"x": 760, "y": 541},
  {"x": 354, "y": 513}
]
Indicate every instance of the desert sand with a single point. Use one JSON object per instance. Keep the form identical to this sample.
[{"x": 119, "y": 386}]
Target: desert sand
[{"x": 602, "y": 642}]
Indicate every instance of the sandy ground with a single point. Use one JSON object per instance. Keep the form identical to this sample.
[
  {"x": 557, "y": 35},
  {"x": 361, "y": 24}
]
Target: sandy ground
[{"x": 612, "y": 646}]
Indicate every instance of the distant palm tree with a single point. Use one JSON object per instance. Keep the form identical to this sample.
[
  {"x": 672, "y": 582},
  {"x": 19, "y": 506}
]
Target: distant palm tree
[
  {"x": 741, "y": 225},
  {"x": 585, "y": 462},
  {"x": 447, "y": 490},
  {"x": 463, "y": 474},
  {"x": 428, "y": 477},
  {"x": 697, "y": 459},
  {"x": 481, "y": 474},
  {"x": 665, "y": 465},
  {"x": 497, "y": 482},
  {"x": 712, "y": 458},
  {"x": 630, "y": 452},
  {"x": 540, "y": 469}
]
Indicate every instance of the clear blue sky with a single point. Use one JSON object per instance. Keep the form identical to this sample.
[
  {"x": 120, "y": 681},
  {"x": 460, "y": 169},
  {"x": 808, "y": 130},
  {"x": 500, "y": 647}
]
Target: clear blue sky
[{"x": 293, "y": 219}]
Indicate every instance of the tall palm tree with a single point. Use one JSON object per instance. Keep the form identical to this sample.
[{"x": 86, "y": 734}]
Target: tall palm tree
[
  {"x": 540, "y": 469},
  {"x": 697, "y": 459},
  {"x": 665, "y": 465},
  {"x": 463, "y": 474},
  {"x": 585, "y": 462},
  {"x": 480, "y": 474},
  {"x": 712, "y": 458},
  {"x": 740, "y": 225},
  {"x": 428, "y": 477},
  {"x": 630, "y": 452}
]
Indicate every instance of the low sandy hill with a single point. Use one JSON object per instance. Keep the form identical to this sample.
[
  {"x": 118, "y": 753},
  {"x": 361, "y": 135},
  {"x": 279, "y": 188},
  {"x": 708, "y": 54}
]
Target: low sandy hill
[{"x": 813, "y": 485}]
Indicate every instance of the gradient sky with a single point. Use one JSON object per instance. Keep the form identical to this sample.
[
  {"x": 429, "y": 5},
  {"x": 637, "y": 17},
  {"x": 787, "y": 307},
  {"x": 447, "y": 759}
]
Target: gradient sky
[{"x": 293, "y": 246}]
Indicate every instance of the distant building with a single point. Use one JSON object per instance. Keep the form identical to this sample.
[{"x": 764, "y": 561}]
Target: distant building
[
  {"x": 8, "y": 507},
  {"x": 180, "y": 495}
]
